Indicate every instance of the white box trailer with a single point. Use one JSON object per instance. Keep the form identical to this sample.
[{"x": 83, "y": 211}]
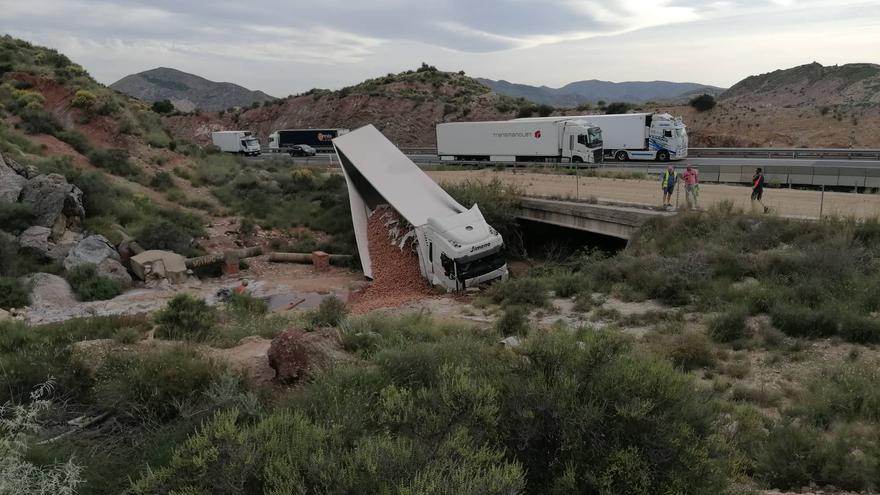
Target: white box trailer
[
  {"x": 566, "y": 141},
  {"x": 242, "y": 142},
  {"x": 456, "y": 248},
  {"x": 635, "y": 136}
]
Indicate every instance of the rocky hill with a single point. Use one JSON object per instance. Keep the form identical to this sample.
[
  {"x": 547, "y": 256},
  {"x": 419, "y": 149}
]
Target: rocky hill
[
  {"x": 593, "y": 91},
  {"x": 811, "y": 85},
  {"x": 405, "y": 107},
  {"x": 187, "y": 91}
]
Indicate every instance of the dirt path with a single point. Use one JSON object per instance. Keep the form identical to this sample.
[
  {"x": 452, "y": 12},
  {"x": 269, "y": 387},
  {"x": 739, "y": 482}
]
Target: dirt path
[{"x": 789, "y": 202}]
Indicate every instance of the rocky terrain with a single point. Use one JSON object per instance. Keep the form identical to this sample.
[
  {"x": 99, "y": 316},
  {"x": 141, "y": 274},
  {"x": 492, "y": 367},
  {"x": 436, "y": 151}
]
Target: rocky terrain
[
  {"x": 593, "y": 91},
  {"x": 187, "y": 92}
]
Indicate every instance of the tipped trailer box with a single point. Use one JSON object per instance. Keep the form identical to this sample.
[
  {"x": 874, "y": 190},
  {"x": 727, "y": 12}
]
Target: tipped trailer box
[
  {"x": 456, "y": 248},
  {"x": 636, "y": 136},
  {"x": 242, "y": 142},
  {"x": 320, "y": 139},
  {"x": 558, "y": 141}
]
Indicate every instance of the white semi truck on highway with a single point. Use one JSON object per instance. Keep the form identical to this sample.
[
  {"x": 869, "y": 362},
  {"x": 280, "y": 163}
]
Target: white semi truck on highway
[
  {"x": 559, "y": 140},
  {"x": 634, "y": 136},
  {"x": 456, "y": 247},
  {"x": 242, "y": 142}
]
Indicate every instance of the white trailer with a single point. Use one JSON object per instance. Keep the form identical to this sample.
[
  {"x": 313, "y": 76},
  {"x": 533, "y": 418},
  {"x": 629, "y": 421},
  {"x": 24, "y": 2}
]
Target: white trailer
[
  {"x": 242, "y": 142},
  {"x": 456, "y": 248},
  {"x": 512, "y": 140},
  {"x": 636, "y": 136}
]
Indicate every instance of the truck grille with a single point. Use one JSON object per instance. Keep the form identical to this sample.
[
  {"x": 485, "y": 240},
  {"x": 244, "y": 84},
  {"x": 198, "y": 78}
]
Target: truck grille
[{"x": 597, "y": 156}]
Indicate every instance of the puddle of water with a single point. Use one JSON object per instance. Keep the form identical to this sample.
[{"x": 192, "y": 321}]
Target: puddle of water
[{"x": 301, "y": 300}]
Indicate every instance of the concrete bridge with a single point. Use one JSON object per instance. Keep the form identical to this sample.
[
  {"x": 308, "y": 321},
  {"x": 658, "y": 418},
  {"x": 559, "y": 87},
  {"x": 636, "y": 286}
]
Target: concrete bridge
[{"x": 610, "y": 220}]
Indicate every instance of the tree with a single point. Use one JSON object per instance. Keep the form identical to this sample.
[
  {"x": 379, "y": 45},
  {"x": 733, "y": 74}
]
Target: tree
[
  {"x": 163, "y": 107},
  {"x": 545, "y": 110},
  {"x": 703, "y": 103},
  {"x": 617, "y": 107}
]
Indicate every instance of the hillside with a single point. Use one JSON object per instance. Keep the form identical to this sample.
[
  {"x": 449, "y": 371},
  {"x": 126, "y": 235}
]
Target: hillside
[
  {"x": 811, "y": 85},
  {"x": 405, "y": 107},
  {"x": 187, "y": 91},
  {"x": 593, "y": 91}
]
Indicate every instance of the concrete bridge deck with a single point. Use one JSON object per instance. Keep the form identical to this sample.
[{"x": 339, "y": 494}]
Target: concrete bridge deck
[{"x": 611, "y": 220}]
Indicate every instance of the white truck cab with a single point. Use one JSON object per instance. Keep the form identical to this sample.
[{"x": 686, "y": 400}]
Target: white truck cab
[
  {"x": 456, "y": 248},
  {"x": 243, "y": 142}
]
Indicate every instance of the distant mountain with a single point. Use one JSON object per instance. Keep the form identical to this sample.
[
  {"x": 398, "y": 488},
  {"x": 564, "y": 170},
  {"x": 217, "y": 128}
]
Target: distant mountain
[
  {"x": 810, "y": 85},
  {"x": 592, "y": 91},
  {"x": 187, "y": 91}
]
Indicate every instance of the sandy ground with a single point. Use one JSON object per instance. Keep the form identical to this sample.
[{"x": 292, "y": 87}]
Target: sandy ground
[{"x": 788, "y": 202}]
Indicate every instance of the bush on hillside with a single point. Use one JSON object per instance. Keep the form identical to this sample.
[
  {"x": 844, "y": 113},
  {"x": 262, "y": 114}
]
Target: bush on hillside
[
  {"x": 186, "y": 318},
  {"x": 84, "y": 99},
  {"x": 89, "y": 286},
  {"x": 545, "y": 110},
  {"x": 165, "y": 235},
  {"x": 162, "y": 181},
  {"x": 13, "y": 294},
  {"x": 618, "y": 107},
  {"x": 729, "y": 325},
  {"x": 529, "y": 292},
  {"x": 703, "y": 103},
  {"x": 162, "y": 106},
  {"x": 514, "y": 321},
  {"x": 115, "y": 161},
  {"x": 329, "y": 313}
]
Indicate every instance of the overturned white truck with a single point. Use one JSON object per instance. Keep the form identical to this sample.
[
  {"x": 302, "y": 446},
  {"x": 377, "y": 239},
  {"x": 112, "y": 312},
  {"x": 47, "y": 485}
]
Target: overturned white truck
[{"x": 456, "y": 248}]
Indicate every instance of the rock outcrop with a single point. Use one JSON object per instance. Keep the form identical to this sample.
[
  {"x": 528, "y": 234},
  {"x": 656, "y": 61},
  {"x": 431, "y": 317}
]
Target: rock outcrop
[
  {"x": 155, "y": 264},
  {"x": 98, "y": 251},
  {"x": 49, "y": 291},
  {"x": 11, "y": 183},
  {"x": 56, "y": 203}
]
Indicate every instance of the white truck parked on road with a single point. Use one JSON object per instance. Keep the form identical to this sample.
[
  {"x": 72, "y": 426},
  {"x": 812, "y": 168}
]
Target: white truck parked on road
[
  {"x": 242, "y": 142},
  {"x": 456, "y": 248},
  {"x": 635, "y": 136},
  {"x": 559, "y": 140}
]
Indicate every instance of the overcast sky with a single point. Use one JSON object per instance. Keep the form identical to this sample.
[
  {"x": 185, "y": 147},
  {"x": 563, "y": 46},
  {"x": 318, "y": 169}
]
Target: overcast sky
[{"x": 288, "y": 46}]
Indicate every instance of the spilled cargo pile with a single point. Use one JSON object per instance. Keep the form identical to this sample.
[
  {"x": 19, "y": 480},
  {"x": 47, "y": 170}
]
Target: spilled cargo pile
[{"x": 396, "y": 276}]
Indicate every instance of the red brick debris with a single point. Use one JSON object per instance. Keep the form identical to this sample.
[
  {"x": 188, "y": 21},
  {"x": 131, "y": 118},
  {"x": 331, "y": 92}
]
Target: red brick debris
[{"x": 396, "y": 276}]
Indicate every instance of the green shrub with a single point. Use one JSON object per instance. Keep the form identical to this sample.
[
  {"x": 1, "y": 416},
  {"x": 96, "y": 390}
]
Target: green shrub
[
  {"x": 127, "y": 335},
  {"x": 16, "y": 217},
  {"x": 618, "y": 107},
  {"x": 703, "y": 103},
  {"x": 162, "y": 181},
  {"x": 848, "y": 391},
  {"x": 115, "y": 161},
  {"x": 798, "y": 321},
  {"x": 163, "y": 106},
  {"x": 691, "y": 350},
  {"x": 526, "y": 292},
  {"x": 514, "y": 321},
  {"x": 729, "y": 325},
  {"x": 89, "y": 286},
  {"x": 569, "y": 284},
  {"x": 156, "y": 384},
  {"x": 247, "y": 305},
  {"x": 166, "y": 235},
  {"x": 329, "y": 313},
  {"x": 84, "y": 99},
  {"x": 13, "y": 294},
  {"x": 186, "y": 318}
]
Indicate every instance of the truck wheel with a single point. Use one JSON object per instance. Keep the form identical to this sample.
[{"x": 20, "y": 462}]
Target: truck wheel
[
  {"x": 621, "y": 156},
  {"x": 577, "y": 159},
  {"x": 663, "y": 155}
]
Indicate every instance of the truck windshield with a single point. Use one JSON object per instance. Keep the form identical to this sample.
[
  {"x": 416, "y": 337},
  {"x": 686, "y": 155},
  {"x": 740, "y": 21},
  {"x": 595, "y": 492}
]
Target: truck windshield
[
  {"x": 480, "y": 266},
  {"x": 595, "y": 135},
  {"x": 251, "y": 143}
]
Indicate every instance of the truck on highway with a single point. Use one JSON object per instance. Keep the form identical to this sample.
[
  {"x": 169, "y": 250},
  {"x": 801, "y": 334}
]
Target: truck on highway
[
  {"x": 561, "y": 140},
  {"x": 455, "y": 245},
  {"x": 320, "y": 139},
  {"x": 635, "y": 136},
  {"x": 242, "y": 142}
]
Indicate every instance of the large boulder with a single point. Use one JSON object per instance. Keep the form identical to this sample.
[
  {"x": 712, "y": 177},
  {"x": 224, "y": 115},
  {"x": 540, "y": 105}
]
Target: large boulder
[
  {"x": 55, "y": 202},
  {"x": 297, "y": 354},
  {"x": 49, "y": 291},
  {"x": 36, "y": 239},
  {"x": 98, "y": 251},
  {"x": 11, "y": 183}
]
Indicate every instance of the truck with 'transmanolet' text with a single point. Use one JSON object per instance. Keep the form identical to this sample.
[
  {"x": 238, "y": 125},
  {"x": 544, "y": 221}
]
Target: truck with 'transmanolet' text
[
  {"x": 560, "y": 140},
  {"x": 634, "y": 136}
]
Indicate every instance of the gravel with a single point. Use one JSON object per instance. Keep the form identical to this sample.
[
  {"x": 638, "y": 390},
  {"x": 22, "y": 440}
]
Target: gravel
[{"x": 396, "y": 276}]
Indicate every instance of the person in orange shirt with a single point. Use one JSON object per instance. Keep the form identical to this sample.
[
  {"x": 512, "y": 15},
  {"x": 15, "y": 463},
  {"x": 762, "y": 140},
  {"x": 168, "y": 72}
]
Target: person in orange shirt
[
  {"x": 242, "y": 288},
  {"x": 691, "y": 178}
]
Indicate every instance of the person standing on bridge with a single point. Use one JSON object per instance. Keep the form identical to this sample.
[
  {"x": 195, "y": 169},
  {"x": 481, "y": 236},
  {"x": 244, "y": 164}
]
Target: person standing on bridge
[
  {"x": 758, "y": 189},
  {"x": 667, "y": 183},
  {"x": 691, "y": 178}
]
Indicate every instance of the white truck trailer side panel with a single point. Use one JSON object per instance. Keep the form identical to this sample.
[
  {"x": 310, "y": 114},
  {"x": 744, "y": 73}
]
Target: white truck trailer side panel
[
  {"x": 619, "y": 131},
  {"x": 503, "y": 138},
  {"x": 228, "y": 141},
  {"x": 394, "y": 177}
]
